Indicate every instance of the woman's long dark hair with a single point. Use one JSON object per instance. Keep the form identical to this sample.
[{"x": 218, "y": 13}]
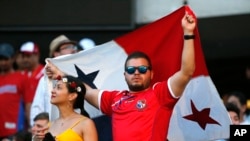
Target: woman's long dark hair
[{"x": 75, "y": 85}]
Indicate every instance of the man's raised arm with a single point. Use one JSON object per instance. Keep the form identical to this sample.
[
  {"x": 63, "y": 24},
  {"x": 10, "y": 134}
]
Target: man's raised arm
[{"x": 181, "y": 78}]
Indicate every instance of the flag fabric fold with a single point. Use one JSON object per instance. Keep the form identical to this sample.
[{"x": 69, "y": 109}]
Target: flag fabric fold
[{"x": 199, "y": 114}]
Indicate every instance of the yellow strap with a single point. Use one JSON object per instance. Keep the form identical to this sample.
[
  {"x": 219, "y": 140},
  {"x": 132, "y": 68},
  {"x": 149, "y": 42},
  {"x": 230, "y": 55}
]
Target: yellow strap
[{"x": 77, "y": 122}]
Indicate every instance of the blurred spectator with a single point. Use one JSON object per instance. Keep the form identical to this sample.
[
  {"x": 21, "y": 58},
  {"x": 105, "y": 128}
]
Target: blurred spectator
[
  {"x": 14, "y": 95},
  {"x": 62, "y": 45},
  {"x": 234, "y": 113},
  {"x": 86, "y": 43},
  {"x": 41, "y": 120},
  {"x": 238, "y": 98},
  {"x": 30, "y": 54}
]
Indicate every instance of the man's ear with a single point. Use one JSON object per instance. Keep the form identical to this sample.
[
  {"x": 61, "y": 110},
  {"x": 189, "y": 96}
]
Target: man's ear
[{"x": 152, "y": 74}]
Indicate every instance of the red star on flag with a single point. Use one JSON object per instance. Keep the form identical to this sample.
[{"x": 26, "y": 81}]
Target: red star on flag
[{"x": 201, "y": 117}]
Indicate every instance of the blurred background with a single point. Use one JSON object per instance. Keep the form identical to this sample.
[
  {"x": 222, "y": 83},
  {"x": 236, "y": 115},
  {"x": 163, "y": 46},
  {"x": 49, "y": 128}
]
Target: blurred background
[{"x": 223, "y": 26}]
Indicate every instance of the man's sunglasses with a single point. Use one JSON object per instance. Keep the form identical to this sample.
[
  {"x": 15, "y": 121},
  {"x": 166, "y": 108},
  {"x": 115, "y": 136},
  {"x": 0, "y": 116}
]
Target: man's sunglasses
[
  {"x": 68, "y": 47},
  {"x": 141, "y": 69}
]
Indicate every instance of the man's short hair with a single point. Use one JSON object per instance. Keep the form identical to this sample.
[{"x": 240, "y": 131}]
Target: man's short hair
[
  {"x": 43, "y": 115},
  {"x": 233, "y": 108}
]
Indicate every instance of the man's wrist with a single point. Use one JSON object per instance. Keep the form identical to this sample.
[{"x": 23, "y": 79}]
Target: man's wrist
[{"x": 188, "y": 37}]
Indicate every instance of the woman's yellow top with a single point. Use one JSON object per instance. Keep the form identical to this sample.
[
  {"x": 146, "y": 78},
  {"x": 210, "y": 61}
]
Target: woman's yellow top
[{"x": 69, "y": 134}]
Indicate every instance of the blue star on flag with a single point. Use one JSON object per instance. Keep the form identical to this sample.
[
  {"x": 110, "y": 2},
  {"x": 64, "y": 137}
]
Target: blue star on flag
[{"x": 88, "y": 79}]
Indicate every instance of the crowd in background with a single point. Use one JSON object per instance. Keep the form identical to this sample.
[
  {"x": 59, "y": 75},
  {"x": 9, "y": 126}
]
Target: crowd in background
[{"x": 20, "y": 73}]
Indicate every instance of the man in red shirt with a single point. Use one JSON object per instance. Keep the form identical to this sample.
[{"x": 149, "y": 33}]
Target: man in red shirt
[
  {"x": 14, "y": 93},
  {"x": 31, "y": 61},
  {"x": 30, "y": 54},
  {"x": 144, "y": 112}
]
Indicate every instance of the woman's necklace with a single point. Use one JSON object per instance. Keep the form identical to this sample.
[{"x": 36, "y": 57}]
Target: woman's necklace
[{"x": 62, "y": 121}]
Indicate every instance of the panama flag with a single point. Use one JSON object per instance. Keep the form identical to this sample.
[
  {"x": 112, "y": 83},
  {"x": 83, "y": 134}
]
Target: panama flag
[{"x": 199, "y": 115}]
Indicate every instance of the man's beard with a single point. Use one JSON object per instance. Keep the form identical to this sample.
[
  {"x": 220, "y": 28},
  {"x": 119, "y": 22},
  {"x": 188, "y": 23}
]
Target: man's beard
[{"x": 136, "y": 88}]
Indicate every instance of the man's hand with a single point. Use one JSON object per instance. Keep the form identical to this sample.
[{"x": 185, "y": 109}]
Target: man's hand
[
  {"x": 40, "y": 134},
  {"x": 52, "y": 71},
  {"x": 188, "y": 24}
]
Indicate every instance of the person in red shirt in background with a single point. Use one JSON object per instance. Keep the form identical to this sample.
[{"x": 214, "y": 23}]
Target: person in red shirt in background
[
  {"x": 14, "y": 95},
  {"x": 31, "y": 61},
  {"x": 30, "y": 55}
]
